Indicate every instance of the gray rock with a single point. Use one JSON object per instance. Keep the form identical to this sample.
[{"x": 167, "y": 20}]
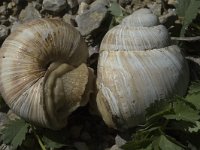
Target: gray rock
[
  {"x": 155, "y": 7},
  {"x": 72, "y": 3},
  {"x": 4, "y": 31},
  {"x": 83, "y": 7},
  {"x": 54, "y": 5},
  {"x": 86, "y": 1},
  {"x": 81, "y": 146},
  {"x": 12, "y": 116},
  {"x": 100, "y": 2},
  {"x": 37, "y": 5},
  {"x": 119, "y": 141},
  {"x": 68, "y": 18},
  {"x": 3, "y": 10},
  {"x": 29, "y": 13},
  {"x": 91, "y": 20}
]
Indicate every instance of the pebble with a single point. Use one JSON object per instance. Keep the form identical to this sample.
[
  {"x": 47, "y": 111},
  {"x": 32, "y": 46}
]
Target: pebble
[
  {"x": 72, "y": 3},
  {"x": 91, "y": 20},
  {"x": 55, "y": 6},
  {"x": 155, "y": 7},
  {"x": 12, "y": 115},
  {"x": 29, "y": 13},
  {"x": 119, "y": 141},
  {"x": 83, "y": 7},
  {"x": 68, "y": 18},
  {"x": 4, "y": 31},
  {"x": 86, "y": 1},
  {"x": 98, "y": 3}
]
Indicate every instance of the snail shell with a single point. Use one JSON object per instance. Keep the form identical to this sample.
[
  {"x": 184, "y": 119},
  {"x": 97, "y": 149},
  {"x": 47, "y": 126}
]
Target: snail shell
[
  {"x": 137, "y": 65},
  {"x": 43, "y": 75}
]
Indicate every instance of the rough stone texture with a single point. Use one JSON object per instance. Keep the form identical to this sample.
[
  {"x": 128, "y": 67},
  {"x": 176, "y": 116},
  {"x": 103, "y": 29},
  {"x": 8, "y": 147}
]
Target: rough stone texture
[
  {"x": 98, "y": 3},
  {"x": 155, "y": 7},
  {"x": 86, "y": 1},
  {"x": 12, "y": 116},
  {"x": 4, "y": 31},
  {"x": 91, "y": 20},
  {"x": 29, "y": 13},
  {"x": 68, "y": 18},
  {"x": 54, "y": 5},
  {"x": 119, "y": 141},
  {"x": 83, "y": 7},
  {"x": 72, "y": 3}
]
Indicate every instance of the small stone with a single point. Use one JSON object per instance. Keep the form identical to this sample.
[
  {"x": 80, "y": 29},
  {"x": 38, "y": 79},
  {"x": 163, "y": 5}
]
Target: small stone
[
  {"x": 97, "y": 3},
  {"x": 172, "y": 2},
  {"x": 3, "y": 10},
  {"x": 4, "y": 31},
  {"x": 83, "y": 7},
  {"x": 75, "y": 131},
  {"x": 91, "y": 20},
  {"x": 12, "y": 115},
  {"x": 29, "y": 13},
  {"x": 119, "y": 141},
  {"x": 125, "y": 2},
  {"x": 86, "y": 1},
  {"x": 70, "y": 19},
  {"x": 72, "y": 3},
  {"x": 155, "y": 8},
  {"x": 54, "y": 5},
  {"x": 81, "y": 146},
  {"x": 10, "y": 5},
  {"x": 37, "y": 5}
]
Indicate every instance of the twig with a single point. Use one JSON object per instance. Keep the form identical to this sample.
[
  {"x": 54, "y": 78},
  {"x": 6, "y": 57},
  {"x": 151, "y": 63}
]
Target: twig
[{"x": 196, "y": 38}]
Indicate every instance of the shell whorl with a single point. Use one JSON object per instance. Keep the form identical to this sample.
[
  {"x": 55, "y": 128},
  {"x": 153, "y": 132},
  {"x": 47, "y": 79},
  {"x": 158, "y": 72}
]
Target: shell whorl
[
  {"x": 137, "y": 65},
  {"x": 41, "y": 63}
]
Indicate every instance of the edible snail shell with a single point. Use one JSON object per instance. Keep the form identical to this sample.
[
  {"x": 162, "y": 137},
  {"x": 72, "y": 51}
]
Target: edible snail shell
[
  {"x": 43, "y": 75},
  {"x": 137, "y": 65}
]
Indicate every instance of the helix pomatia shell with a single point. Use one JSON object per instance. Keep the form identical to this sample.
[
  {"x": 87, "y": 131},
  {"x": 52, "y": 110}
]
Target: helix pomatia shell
[
  {"x": 43, "y": 75},
  {"x": 137, "y": 66}
]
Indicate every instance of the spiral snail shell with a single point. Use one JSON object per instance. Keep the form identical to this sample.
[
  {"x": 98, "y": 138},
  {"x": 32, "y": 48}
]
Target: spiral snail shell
[
  {"x": 137, "y": 65},
  {"x": 43, "y": 75}
]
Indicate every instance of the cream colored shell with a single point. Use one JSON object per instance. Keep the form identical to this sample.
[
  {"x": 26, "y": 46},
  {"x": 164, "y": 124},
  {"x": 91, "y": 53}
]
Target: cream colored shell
[
  {"x": 43, "y": 75},
  {"x": 137, "y": 65}
]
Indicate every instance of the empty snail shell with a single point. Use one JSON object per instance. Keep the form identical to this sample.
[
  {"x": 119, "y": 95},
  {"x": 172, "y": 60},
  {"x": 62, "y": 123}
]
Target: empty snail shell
[
  {"x": 137, "y": 65},
  {"x": 43, "y": 75}
]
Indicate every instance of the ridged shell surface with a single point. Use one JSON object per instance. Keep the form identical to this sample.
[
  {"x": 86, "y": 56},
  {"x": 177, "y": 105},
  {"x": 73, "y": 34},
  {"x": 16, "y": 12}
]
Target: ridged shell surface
[
  {"x": 39, "y": 63},
  {"x": 137, "y": 65}
]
